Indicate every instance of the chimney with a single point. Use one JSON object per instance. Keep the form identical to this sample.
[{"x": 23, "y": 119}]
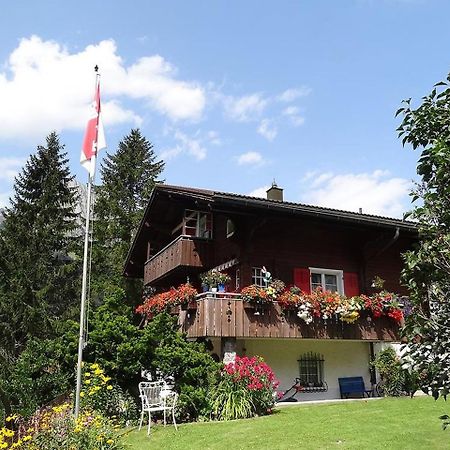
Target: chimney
[{"x": 275, "y": 193}]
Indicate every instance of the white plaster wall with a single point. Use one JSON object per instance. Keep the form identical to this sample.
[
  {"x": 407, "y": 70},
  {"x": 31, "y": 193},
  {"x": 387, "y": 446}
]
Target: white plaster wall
[{"x": 342, "y": 359}]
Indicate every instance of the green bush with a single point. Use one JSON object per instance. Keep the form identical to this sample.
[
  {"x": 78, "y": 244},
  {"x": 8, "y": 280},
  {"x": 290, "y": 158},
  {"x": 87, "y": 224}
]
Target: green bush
[
  {"x": 194, "y": 370},
  {"x": 393, "y": 376}
]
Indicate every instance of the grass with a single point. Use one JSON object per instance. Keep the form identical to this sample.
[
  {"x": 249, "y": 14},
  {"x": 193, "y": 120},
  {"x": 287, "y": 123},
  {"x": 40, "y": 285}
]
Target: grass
[{"x": 390, "y": 423}]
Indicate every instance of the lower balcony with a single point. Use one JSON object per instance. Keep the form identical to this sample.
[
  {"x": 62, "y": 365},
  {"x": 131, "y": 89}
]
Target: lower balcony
[
  {"x": 184, "y": 251},
  {"x": 227, "y": 315}
]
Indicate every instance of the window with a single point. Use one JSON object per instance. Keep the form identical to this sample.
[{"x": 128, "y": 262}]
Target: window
[
  {"x": 327, "y": 279},
  {"x": 258, "y": 277},
  {"x": 197, "y": 223},
  {"x": 311, "y": 372}
]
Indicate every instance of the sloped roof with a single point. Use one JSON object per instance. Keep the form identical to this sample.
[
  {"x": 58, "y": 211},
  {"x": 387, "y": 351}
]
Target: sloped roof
[
  {"x": 239, "y": 200},
  {"x": 300, "y": 207}
]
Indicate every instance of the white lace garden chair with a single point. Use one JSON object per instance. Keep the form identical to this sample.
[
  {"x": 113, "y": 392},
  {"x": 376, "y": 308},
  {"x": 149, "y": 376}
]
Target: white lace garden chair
[{"x": 157, "y": 396}]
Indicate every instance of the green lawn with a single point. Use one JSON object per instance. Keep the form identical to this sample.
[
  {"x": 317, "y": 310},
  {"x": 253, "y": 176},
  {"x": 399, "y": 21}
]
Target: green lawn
[{"x": 376, "y": 424}]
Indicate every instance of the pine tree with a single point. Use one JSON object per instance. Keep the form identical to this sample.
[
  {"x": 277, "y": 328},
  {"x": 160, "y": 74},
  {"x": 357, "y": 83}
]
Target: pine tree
[
  {"x": 37, "y": 273},
  {"x": 128, "y": 177}
]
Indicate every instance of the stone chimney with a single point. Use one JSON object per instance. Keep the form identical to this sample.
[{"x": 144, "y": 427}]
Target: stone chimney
[{"x": 275, "y": 193}]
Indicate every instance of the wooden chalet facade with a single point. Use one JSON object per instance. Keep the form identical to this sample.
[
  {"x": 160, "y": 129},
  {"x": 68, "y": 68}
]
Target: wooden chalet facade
[{"x": 187, "y": 231}]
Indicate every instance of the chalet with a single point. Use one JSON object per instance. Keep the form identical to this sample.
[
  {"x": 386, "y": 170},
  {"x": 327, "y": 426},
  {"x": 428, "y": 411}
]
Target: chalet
[{"x": 187, "y": 231}]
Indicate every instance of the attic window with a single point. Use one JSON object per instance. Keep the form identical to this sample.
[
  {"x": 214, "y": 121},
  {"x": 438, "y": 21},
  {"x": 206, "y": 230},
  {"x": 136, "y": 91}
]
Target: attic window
[
  {"x": 230, "y": 228},
  {"x": 197, "y": 223}
]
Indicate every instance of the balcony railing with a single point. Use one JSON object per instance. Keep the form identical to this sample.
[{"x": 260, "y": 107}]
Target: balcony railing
[
  {"x": 184, "y": 251},
  {"x": 227, "y": 315}
]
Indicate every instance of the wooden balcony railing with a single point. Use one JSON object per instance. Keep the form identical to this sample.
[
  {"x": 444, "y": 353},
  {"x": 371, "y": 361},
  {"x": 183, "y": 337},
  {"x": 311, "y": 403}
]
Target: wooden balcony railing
[
  {"x": 226, "y": 315},
  {"x": 184, "y": 251}
]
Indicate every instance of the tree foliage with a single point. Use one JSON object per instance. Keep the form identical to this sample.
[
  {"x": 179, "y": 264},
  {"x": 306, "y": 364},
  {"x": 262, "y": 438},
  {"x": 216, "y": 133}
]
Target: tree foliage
[
  {"x": 38, "y": 272},
  {"x": 427, "y": 271},
  {"x": 129, "y": 176},
  {"x": 38, "y": 265}
]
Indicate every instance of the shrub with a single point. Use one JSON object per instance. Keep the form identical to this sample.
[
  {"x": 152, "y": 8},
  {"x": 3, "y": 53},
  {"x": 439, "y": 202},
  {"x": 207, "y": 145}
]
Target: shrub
[
  {"x": 392, "y": 375},
  {"x": 247, "y": 388},
  {"x": 189, "y": 363}
]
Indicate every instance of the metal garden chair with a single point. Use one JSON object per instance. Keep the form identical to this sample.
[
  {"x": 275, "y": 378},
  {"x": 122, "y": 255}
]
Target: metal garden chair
[{"x": 157, "y": 396}]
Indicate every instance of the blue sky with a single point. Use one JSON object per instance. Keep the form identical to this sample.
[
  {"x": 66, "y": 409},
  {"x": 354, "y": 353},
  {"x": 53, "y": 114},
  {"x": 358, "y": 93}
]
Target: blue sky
[{"x": 232, "y": 94}]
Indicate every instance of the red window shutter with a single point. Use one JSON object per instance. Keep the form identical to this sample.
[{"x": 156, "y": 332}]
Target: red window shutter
[
  {"x": 302, "y": 280},
  {"x": 351, "y": 284}
]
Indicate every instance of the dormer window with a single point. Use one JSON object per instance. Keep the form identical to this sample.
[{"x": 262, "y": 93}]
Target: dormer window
[{"x": 197, "y": 223}]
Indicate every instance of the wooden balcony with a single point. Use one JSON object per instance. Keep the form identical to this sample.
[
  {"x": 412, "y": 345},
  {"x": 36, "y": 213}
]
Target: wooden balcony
[
  {"x": 184, "y": 251},
  {"x": 226, "y": 315}
]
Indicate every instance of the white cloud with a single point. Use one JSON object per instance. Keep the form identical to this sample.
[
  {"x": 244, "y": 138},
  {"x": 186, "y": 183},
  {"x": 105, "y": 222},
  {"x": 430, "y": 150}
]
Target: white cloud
[
  {"x": 10, "y": 167},
  {"x": 289, "y": 95},
  {"x": 267, "y": 129},
  {"x": 213, "y": 137},
  {"x": 375, "y": 193},
  {"x": 259, "y": 192},
  {"x": 245, "y": 108},
  {"x": 250, "y": 158},
  {"x": 293, "y": 112},
  {"x": 43, "y": 87},
  {"x": 192, "y": 146}
]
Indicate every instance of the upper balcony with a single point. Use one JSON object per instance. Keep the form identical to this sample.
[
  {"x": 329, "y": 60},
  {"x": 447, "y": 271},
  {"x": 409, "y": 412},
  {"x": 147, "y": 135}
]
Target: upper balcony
[
  {"x": 184, "y": 251},
  {"x": 227, "y": 315}
]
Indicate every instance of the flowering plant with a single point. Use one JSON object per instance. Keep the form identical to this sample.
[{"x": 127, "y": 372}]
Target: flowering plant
[
  {"x": 326, "y": 305},
  {"x": 55, "y": 428},
  {"x": 213, "y": 278},
  {"x": 290, "y": 299},
  {"x": 261, "y": 295},
  {"x": 384, "y": 304},
  {"x": 247, "y": 388},
  {"x": 158, "y": 303}
]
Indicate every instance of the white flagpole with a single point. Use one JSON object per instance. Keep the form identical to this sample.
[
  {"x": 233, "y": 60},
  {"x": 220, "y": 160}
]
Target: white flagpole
[{"x": 85, "y": 272}]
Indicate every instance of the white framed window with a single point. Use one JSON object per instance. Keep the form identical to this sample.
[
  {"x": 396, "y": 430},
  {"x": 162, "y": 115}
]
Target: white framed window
[
  {"x": 197, "y": 223},
  {"x": 258, "y": 277},
  {"x": 328, "y": 279}
]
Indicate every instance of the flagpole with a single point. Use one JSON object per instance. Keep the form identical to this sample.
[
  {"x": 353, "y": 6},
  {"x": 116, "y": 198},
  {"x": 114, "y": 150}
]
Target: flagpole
[{"x": 85, "y": 273}]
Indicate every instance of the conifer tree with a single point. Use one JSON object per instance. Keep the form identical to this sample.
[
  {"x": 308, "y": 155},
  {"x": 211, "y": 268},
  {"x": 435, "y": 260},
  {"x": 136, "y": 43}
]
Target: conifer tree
[
  {"x": 37, "y": 265},
  {"x": 128, "y": 177}
]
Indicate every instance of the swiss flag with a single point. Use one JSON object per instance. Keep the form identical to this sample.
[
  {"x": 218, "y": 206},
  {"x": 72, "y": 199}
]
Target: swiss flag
[{"x": 94, "y": 138}]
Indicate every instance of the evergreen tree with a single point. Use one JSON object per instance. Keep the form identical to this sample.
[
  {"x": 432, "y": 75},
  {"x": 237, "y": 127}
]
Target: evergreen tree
[
  {"x": 427, "y": 271},
  {"x": 37, "y": 274},
  {"x": 128, "y": 177}
]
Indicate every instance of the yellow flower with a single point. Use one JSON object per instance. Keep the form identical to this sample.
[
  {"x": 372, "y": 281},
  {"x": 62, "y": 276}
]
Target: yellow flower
[
  {"x": 3, "y": 445},
  {"x": 94, "y": 366},
  {"x": 87, "y": 374},
  {"x": 13, "y": 417},
  {"x": 110, "y": 441},
  {"x": 98, "y": 371},
  {"x": 109, "y": 387},
  {"x": 81, "y": 394},
  {"x": 87, "y": 381},
  {"x": 27, "y": 438}
]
